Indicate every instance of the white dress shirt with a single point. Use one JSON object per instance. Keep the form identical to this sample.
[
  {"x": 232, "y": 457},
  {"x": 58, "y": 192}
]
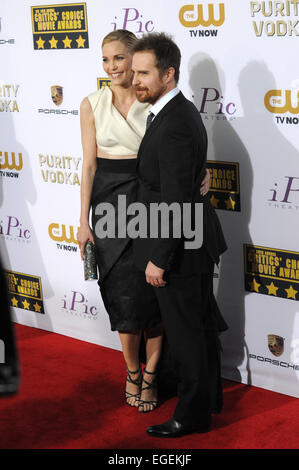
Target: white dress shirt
[{"x": 159, "y": 105}]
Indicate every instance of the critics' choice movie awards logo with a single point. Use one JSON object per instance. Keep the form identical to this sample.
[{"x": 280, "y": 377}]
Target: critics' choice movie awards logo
[
  {"x": 285, "y": 193},
  {"x": 224, "y": 185},
  {"x": 64, "y": 236},
  {"x": 283, "y": 103},
  {"x": 102, "y": 82},
  {"x": 59, "y": 169},
  {"x": 2, "y": 39},
  {"x": 25, "y": 291},
  {"x": 133, "y": 20},
  {"x": 77, "y": 305},
  {"x": 60, "y": 26},
  {"x": 271, "y": 272},
  {"x": 8, "y": 98},
  {"x": 199, "y": 15},
  {"x": 272, "y": 18},
  {"x": 10, "y": 164},
  {"x": 13, "y": 229},
  {"x": 56, "y": 93}
]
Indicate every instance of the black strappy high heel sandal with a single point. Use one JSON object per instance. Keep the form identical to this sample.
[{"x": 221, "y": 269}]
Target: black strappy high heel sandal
[
  {"x": 136, "y": 381},
  {"x": 149, "y": 385}
]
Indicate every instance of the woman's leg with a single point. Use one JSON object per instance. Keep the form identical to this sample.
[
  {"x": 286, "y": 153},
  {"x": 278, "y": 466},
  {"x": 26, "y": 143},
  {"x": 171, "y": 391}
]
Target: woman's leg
[
  {"x": 153, "y": 343},
  {"x": 130, "y": 346}
]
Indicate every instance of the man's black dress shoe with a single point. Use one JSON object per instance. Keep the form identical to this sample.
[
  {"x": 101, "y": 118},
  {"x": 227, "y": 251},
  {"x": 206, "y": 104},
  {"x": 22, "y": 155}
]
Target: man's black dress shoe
[{"x": 173, "y": 428}]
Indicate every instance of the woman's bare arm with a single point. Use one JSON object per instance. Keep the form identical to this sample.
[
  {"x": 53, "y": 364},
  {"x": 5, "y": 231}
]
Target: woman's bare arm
[{"x": 88, "y": 139}]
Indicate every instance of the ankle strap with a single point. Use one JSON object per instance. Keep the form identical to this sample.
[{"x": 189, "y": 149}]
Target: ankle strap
[
  {"x": 151, "y": 373},
  {"x": 133, "y": 372}
]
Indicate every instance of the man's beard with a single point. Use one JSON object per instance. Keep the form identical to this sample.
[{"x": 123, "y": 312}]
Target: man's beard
[{"x": 146, "y": 97}]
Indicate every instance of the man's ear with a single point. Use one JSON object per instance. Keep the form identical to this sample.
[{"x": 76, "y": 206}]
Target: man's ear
[{"x": 170, "y": 74}]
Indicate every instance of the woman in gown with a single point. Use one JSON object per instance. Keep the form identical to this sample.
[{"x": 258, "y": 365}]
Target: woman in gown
[{"x": 113, "y": 123}]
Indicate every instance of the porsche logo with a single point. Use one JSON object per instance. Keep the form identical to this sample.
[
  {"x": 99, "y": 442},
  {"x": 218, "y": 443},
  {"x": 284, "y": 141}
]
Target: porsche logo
[
  {"x": 57, "y": 94},
  {"x": 275, "y": 344}
]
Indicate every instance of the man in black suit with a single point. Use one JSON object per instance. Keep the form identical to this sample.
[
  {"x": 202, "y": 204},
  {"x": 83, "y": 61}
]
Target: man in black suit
[{"x": 171, "y": 165}]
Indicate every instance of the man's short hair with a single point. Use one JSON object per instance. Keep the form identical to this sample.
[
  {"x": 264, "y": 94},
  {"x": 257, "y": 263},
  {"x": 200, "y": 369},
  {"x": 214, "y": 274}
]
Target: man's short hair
[{"x": 165, "y": 49}]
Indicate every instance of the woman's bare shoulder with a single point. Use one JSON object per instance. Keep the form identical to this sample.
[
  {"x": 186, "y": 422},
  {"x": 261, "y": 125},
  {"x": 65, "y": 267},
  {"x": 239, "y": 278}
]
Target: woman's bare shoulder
[{"x": 85, "y": 105}]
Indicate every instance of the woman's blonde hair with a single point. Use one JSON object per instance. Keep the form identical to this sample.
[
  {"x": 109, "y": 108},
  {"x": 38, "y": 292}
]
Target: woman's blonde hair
[{"x": 126, "y": 37}]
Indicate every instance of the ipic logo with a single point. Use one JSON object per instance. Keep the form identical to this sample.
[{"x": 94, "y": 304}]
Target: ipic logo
[
  {"x": 77, "y": 305},
  {"x": 60, "y": 233},
  {"x": 285, "y": 194},
  {"x": 13, "y": 228},
  {"x": 193, "y": 16},
  {"x": 281, "y": 102},
  {"x": 132, "y": 19},
  {"x": 2, "y": 352},
  {"x": 211, "y": 105}
]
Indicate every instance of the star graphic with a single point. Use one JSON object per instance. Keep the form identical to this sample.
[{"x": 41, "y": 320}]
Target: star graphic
[
  {"x": 291, "y": 293},
  {"x": 67, "y": 42},
  {"x": 37, "y": 307},
  {"x": 272, "y": 289},
  {"x": 254, "y": 285},
  {"x": 26, "y": 305},
  {"x": 80, "y": 41},
  {"x": 14, "y": 302},
  {"x": 230, "y": 203},
  {"x": 53, "y": 43},
  {"x": 214, "y": 201},
  {"x": 40, "y": 43}
]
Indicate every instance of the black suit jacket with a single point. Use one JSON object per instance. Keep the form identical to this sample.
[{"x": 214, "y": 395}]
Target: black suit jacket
[{"x": 171, "y": 165}]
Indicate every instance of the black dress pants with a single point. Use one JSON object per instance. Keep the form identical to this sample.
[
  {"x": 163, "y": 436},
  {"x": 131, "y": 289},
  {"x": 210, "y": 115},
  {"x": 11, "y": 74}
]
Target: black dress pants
[{"x": 192, "y": 322}]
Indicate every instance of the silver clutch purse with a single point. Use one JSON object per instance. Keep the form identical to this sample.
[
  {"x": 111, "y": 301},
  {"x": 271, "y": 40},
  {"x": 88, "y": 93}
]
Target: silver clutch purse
[{"x": 90, "y": 264}]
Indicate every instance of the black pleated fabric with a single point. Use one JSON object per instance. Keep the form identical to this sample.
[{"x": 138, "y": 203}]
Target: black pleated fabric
[{"x": 128, "y": 307}]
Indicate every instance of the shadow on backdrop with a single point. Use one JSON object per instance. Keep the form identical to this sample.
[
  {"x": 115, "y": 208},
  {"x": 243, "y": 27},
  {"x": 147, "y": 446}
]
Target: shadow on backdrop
[
  {"x": 224, "y": 144},
  {"x": 16, "y": 194}
]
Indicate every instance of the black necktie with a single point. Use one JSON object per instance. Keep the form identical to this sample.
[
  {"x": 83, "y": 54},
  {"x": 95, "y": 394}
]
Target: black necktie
[{"x": 150, "y": 117}]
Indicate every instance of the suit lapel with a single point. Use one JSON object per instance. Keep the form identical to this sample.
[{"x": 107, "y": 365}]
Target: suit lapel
[{"x": 155, "y": 124}]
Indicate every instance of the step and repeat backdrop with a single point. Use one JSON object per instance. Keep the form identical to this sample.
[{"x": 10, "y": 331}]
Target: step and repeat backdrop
[{"x": 239, "y": 68}]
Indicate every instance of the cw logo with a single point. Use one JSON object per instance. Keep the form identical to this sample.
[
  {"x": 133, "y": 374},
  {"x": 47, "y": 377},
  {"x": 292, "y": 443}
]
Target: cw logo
[
  {"x": 10, "y": 163},
  {"x": 59, "y": 234},
  {"x": 188, "y": 17},
  {"x": 273, "y": 98}
]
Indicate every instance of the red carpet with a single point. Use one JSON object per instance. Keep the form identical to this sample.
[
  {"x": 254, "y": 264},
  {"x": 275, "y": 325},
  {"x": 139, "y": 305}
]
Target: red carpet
[{"x": 72, "y": 397}]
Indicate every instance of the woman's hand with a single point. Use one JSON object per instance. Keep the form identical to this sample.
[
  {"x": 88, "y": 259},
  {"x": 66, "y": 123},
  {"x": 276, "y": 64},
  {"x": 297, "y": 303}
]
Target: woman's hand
[
  {"x": 83, "y": 235},
  {"x": 205, "y": 185}
]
